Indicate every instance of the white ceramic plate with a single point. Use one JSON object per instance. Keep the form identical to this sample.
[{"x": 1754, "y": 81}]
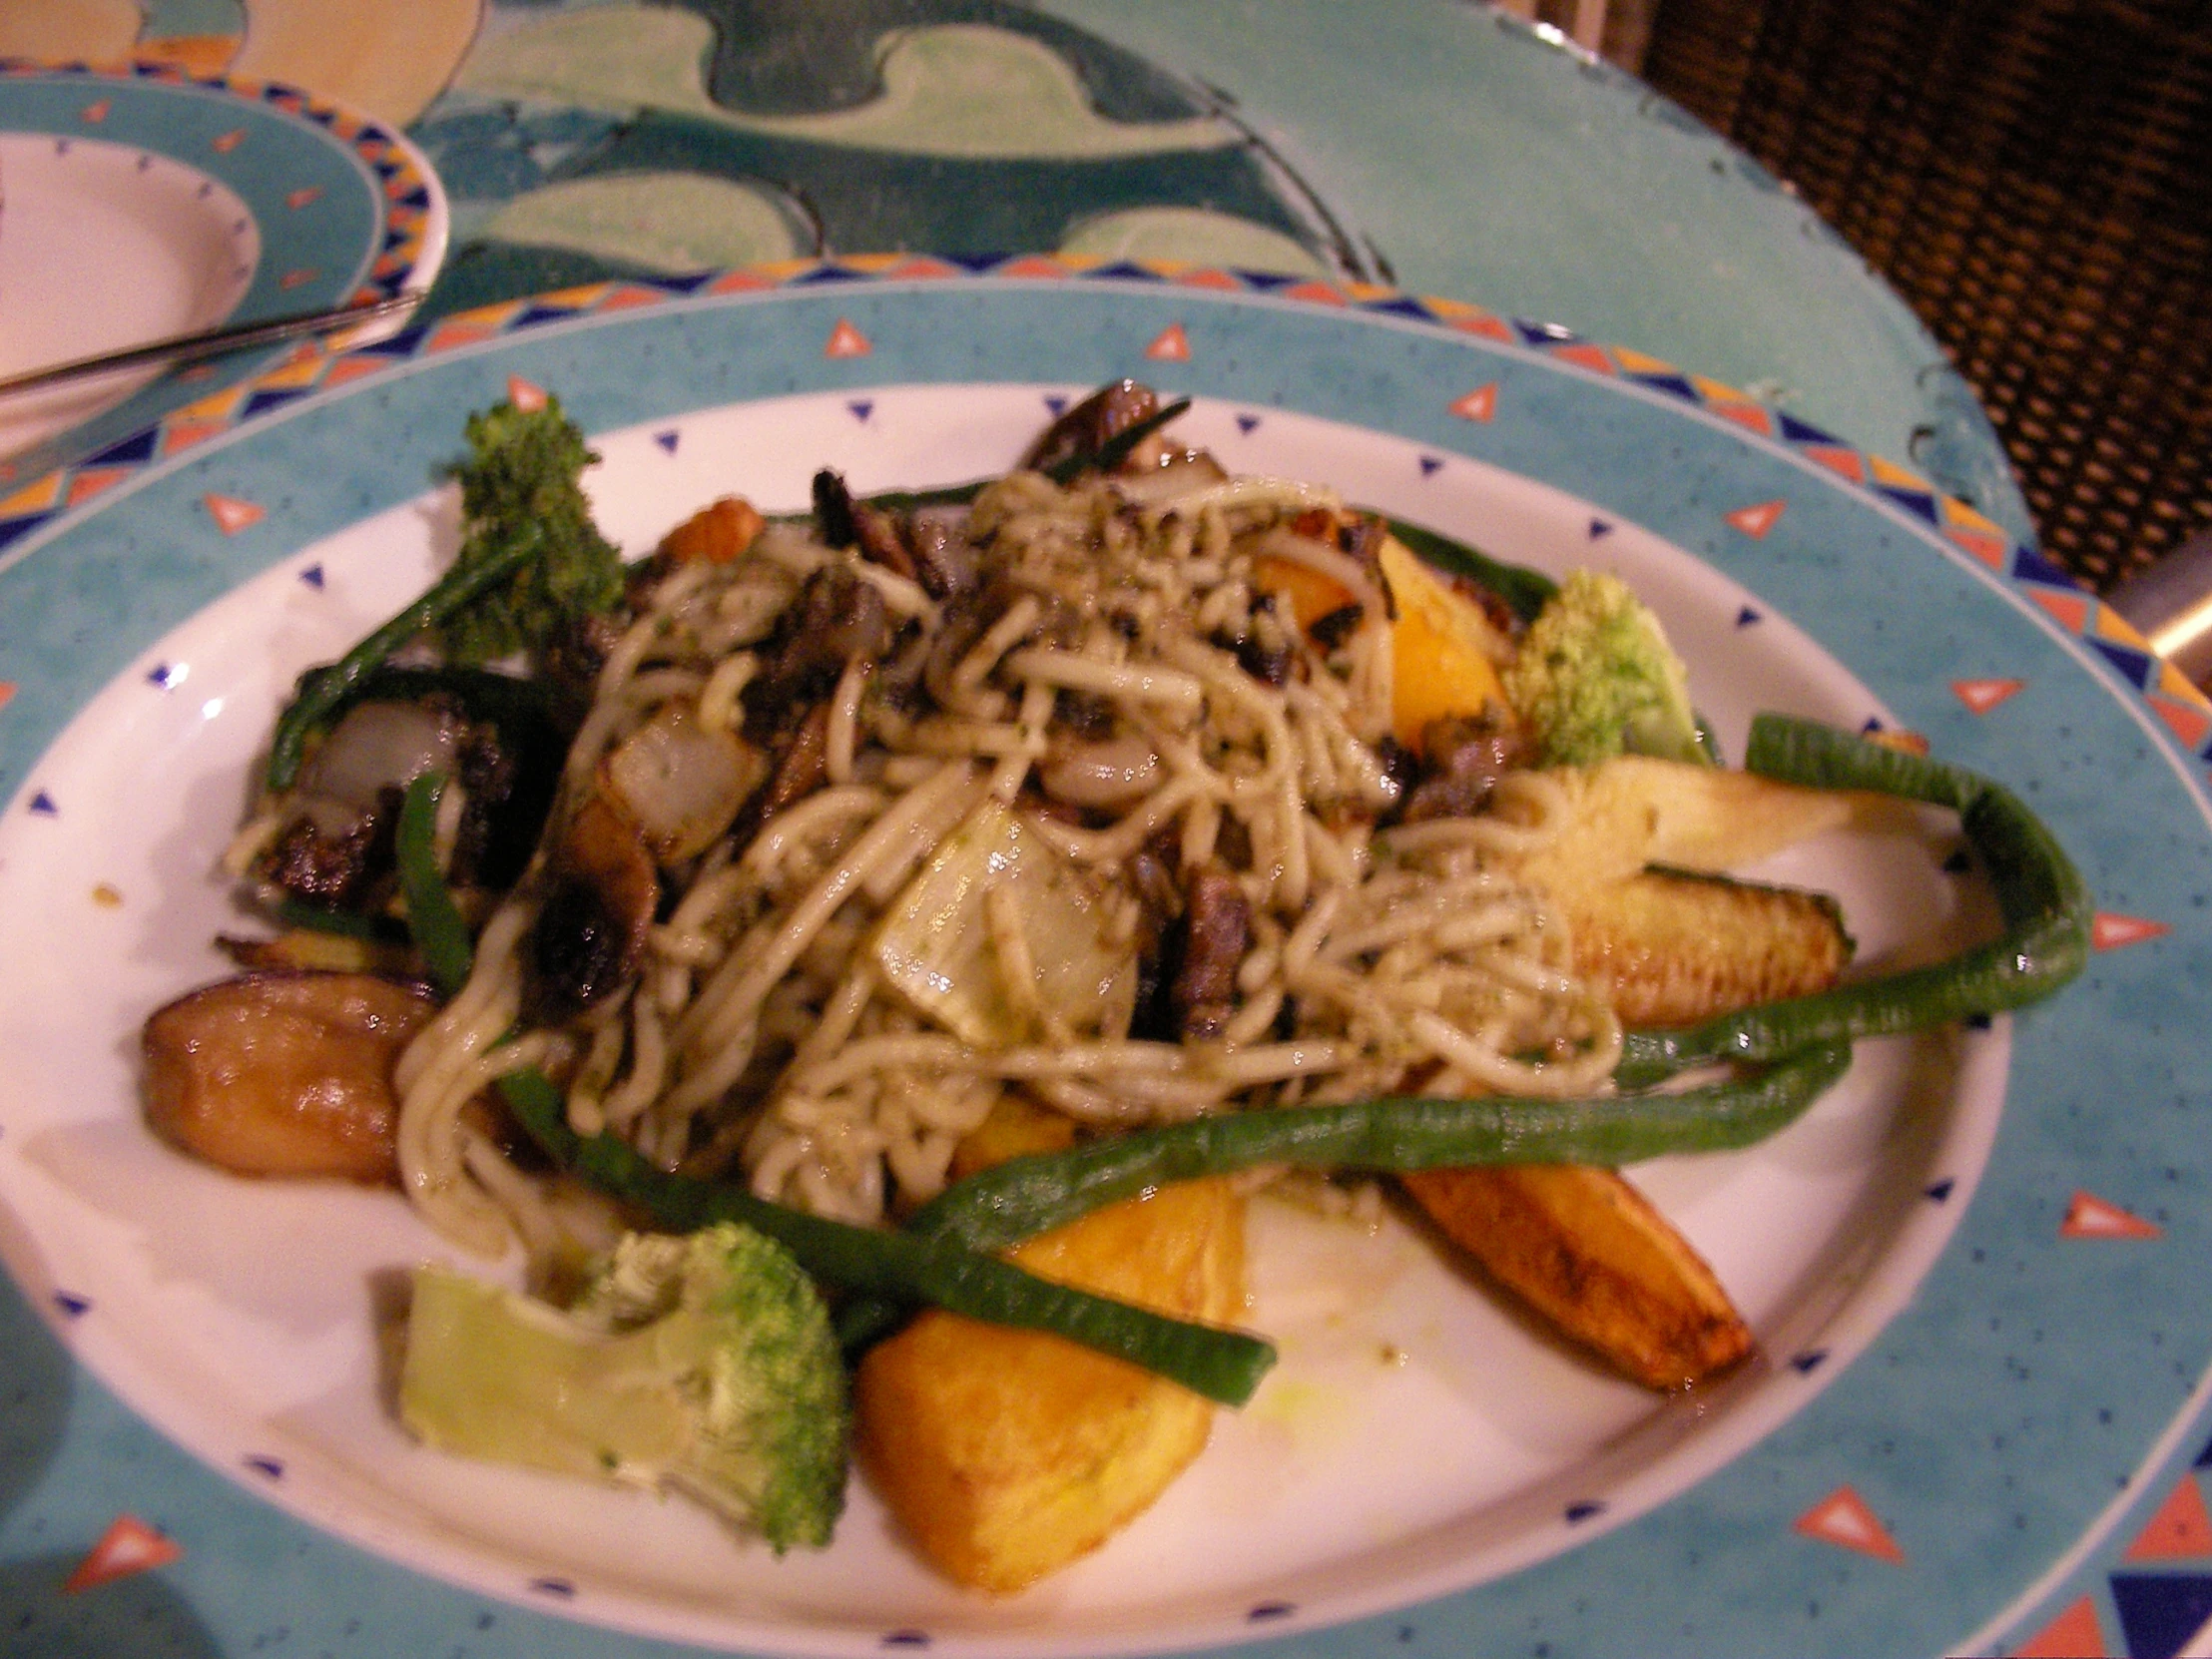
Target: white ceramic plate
[{"x": 1423, "y": 1460}]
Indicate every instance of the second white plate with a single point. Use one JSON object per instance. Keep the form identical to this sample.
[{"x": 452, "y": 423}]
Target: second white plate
[{"x": 141, "y": 204}]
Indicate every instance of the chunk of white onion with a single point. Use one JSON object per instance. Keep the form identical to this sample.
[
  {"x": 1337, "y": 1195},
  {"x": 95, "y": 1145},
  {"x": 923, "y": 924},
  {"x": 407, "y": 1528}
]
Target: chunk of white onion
[{"x": 682, "y": 782}]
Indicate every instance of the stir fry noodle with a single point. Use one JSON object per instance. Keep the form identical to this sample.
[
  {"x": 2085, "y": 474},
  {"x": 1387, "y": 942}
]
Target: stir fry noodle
[{"x": 1109, "y": 717}]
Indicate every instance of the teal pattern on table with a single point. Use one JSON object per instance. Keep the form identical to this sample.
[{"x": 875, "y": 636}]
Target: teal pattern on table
[{"x": 1438, "y": 145}]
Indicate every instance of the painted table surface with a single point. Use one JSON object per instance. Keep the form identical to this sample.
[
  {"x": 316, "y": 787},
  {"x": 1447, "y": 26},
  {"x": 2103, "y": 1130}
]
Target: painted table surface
[{"x": 1429, "y": 143}]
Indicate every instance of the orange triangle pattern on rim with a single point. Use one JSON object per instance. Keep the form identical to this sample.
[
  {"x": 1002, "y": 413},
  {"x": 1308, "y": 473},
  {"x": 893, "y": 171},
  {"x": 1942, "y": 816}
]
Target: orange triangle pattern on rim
[
  {"x": 128, "y": 1546},
  {"x": 1842, "y": 1518}
]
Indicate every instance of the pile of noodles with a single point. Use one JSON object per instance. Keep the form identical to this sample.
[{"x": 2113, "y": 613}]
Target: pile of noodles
[{"x": 761, "y": 1037}]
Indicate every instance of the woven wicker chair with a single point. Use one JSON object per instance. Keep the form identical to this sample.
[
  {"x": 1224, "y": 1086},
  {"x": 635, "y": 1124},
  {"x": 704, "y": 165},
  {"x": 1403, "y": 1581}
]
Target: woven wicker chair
[{"x": 2035, "y": 178}]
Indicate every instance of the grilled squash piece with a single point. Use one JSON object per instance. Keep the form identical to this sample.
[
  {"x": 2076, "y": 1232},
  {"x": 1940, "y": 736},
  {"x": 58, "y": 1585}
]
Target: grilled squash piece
[
  {"x": 1634, "y": 810},
  {"x": 1443, "y": 650},
  {"x": 1674, "y": 948},
  {"x": 1005, "y": 1455},
  {"x": 1588, "y": 1251}
]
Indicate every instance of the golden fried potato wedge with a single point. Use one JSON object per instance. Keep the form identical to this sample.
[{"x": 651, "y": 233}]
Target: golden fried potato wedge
[
  {"x": 1016, "y": 1127},
  {"x": 1670, "y": 949},
  {"x": 1588, "y": 1253},
  {"x": 1005, "y": 1455},
  {"x": 1444, "y": 651}
]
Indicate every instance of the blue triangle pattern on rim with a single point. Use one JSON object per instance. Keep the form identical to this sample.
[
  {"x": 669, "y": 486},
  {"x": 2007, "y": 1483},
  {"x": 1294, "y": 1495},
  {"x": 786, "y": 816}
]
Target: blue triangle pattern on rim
[
  {"x": 1801, "y": 431},
  {"x": 2035, "y": 567},
  {"x": 2159, "y": 1612},
  {"x": 136, "y": 448},
  {"x": 1916, "y": 501},
  {"x": 2136, "y": 665},
  {"x": 1122, "y": 271},
  {"x": 263, "y": 401},
  {"x": 401, "y": 345}
]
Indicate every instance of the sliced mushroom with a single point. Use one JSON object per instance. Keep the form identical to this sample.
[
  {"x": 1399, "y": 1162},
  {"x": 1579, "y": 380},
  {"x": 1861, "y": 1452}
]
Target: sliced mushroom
[
  {"x": 1463, "y": 757},
  {"x": 284, "y": 1073},
  {"x": 599, "y": 901},
  {"x": 944, "y": 558},
  {"x": 1086, "y": 428},
  {"x": 1217, "y": 932},
  {"x": 837, "y": 618},
  {"x": 335, "y": 868},
  {"x": 803, "y": 769}
]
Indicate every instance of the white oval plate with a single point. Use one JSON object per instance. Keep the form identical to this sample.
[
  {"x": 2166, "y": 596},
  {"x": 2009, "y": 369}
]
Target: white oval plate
[{"x": 1423, "y": 1462}]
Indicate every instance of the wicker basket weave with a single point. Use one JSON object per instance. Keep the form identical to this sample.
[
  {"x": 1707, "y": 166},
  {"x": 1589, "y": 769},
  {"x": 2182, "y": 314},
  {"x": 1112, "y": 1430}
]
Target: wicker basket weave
[{"x": 2035, "y": 178}]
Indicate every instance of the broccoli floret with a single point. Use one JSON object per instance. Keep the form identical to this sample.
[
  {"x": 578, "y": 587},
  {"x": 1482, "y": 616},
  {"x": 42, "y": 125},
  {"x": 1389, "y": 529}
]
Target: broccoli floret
[
  {"x": 521, "y": 478},
  {"x": 703, "y": 1364},
  {"x": 1594, "y": 675}
]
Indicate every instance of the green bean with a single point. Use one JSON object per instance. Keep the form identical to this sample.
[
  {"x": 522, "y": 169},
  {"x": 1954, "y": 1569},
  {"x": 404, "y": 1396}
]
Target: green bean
[
  {"x": 323, "y": 689},
  {"x": 2040, "y": 896},
  {"x": 878, "y": 1267},
  {"x": 900, "y": 1268},
  {"x": 440, "y": 936},
  {"x": 1009, "y": 1202}
]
